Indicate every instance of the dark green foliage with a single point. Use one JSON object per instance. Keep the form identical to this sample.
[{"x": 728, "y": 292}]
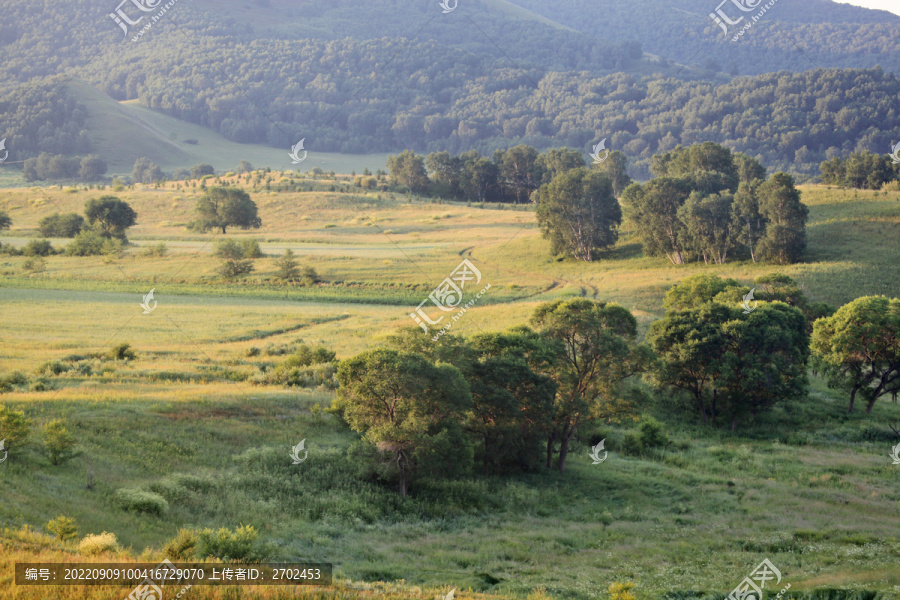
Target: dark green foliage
[
  {"x": 122, "y": 351},
  {"x": 234, "y": 261},
  {"x": 579, "y": 213},
  {"x": 110, "y": 216},
  {"x": 86, "y": 243},
  {"x": 287, "y": 266},
  {"x": 779, "y": 204},
  {"x": 857, "y": 350},
  {"x": 733, "y": 364},
  {"x": 38, "y": 248},
  {"x": 201, "y": 170},
  {"x": 616, "y": 168},
  {"x": 408, "y": 410},
  {"x": 61, "y": 225},
  {"x": 220, "y": 208},
  {"x": 146, "y": 171},
  {"x": 408, "y": 169},
  {"x": 862, "y": 170},
  {"x": 51, "y": 166},
  {"x": 141, "y": 501},
  {"x": 5, "y": 221}
]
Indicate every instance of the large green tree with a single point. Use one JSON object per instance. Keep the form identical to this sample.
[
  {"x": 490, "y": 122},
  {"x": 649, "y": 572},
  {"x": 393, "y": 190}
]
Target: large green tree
[
  {"x": 519, "y": 172},
  {"x": 708, "y": 225},
  {"x": 579, "y": 213},
  {"x": 110, "y": 216},
  {"x": 785, "y": 215},
  {"x": 408, "y": 168},
  {"x": 858, "y": 348},
  {"x": 616, "y": 168},
  {"x": 595, "y": 353},
  {"x": 653, "y": 210},
  {"x": 408, "y": 410},
  {"x": 221, "y": 207}
]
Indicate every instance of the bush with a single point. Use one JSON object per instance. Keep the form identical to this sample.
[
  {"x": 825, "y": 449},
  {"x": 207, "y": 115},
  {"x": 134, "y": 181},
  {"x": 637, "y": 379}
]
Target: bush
[
  {"x": 9, "y": 250},
  {"x": 122, "y": 352},
  {"x": 14, "y": 427},
  {"x": 652, "y": 434},
  {"x": 34, "y": 264},
  {"x": 86, "y": 243},
  {"x": 93, "y": 545},
  {"x": 251, "y": 249},
  {"x": 158, "y": 250},
  {"x": 631, "y": 444},
  {"x": 58, "y": 441},
  {"x": 63, "y": 528},
  {"x": 309, "y": 276},
  {"x": 38, "y": 248},
  {"x": 182, "y": 547},
  {"x": 141, "y": 501},
  {"x": 239, "y": 545},
  {"x": 52, "y": 367}
]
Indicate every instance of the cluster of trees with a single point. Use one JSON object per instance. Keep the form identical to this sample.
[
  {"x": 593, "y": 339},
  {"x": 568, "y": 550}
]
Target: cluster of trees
[
  {"x": 513, "y": 401},
  {"x": 510, "y": 175},
  {"x": 707, "y": 202},
  {"x": 506, "y": 401},
  {"x": 60, "y": 166},
  {"x": 15, "y": 429},
  {"x": 861, "y": 170}
]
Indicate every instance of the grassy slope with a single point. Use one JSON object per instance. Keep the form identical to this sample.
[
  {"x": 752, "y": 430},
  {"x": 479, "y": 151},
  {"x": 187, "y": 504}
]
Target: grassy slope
[
  {"x": 122, "y": 132},
  {"x": 807, "y": 486}
]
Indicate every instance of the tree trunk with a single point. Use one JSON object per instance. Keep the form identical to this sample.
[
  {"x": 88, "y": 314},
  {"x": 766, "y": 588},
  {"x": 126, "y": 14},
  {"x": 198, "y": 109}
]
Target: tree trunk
[
  {"x": 223, "y": 229},
  {"x": 852, "y": 399},
  {"x": 733, "y": 423},
  {"x": 699, "y": 396},
  {"x": 567, "y": 435},
  {"x": 550, "y": 439}
]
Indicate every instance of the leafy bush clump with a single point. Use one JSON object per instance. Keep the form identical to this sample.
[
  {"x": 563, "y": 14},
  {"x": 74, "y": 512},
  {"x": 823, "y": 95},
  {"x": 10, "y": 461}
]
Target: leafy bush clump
[
  {"x": 240, "y": 545},
  {"x": 86, "y": 243},
  {"x": 122, "y": 352},
  {"x": 141, "y": 501},
  {"x": 38, "y": 248},
  {"x": 61, "y": 226},
  {"x": 158, "y": 250},
  {"x": 183, "y": 546},
  {"x": 63, "y": 528},
  {"x": 93, "y": 545},
  {"x": 34, "y": 264},
  {"x": 631, "y": 444},
  {"x": 652, "y": 434},
  {"x": 58, "y": 442},
  {"x": 14, "y": 427}
]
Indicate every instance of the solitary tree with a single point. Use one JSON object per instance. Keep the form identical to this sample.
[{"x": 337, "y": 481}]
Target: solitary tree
[
  {"x": 857, "y": 348},
  {"x": 779, "y": 204},
  {"x": 110, "y": 216},
  {"x": 5, "y": 221},
  {"x": 221, "y": 208},
  {"x": 595, "y": 352},
  {"x": 579, "y": 213},
  {"x": 408, "y": 410},
  {"x": 234, "y": 259},
  {"x": 287, "y": 266},
  {"x": 408, "y": 168}
]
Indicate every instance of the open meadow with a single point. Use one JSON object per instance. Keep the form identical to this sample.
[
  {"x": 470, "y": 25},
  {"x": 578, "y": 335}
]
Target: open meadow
[{"x": 193, "y": 418}]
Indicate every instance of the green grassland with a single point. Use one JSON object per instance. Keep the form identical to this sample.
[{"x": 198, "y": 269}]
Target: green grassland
[{"x": 807, "y": 486}]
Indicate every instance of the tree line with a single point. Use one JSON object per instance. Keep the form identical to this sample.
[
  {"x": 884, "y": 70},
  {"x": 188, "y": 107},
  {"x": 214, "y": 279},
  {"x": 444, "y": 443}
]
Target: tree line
[{"x": 862, "y": 170}]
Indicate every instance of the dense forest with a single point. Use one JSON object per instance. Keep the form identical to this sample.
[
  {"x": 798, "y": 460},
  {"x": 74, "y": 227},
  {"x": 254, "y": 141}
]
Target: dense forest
[
  {"x": 427, "y": 93},
  {"x": 796, "y": 35}
]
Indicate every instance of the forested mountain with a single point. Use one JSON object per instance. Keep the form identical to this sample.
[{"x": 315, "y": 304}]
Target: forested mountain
[
  {"x": 794, "y": 35},
  {"x": 356, "y": 77}
]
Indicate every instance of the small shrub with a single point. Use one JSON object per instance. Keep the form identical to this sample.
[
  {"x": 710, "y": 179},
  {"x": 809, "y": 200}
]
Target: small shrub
[
  {"x": 93, "y": 545},
  {"x": 52, "y": 367},
  {"x": 63, "y": 528},
  {"x": 621, "y": 591},
  {"x": 158, "y": 250},
  {"x": 240, "y": 545},
  {"x": 252, "y": 351},
  {"x": 86, "y": 243},
  {"x": 309, "y": 276},
  {"x": 122, "y": 352},
  {"x": 183, "y": 546},
  {"x": 141, "y": 501},
  {"x": 58, "y": 441},
  {"x": 652, "y": 434},
  {"x": 38, "y": 248},
  {"x": 251, "y": 249},
  {"x": 34, "y": 264},
  {"x": 14, "y": 427},
  {"x": 61, "y": 226},
  {"x": 631, "y": 444}
]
